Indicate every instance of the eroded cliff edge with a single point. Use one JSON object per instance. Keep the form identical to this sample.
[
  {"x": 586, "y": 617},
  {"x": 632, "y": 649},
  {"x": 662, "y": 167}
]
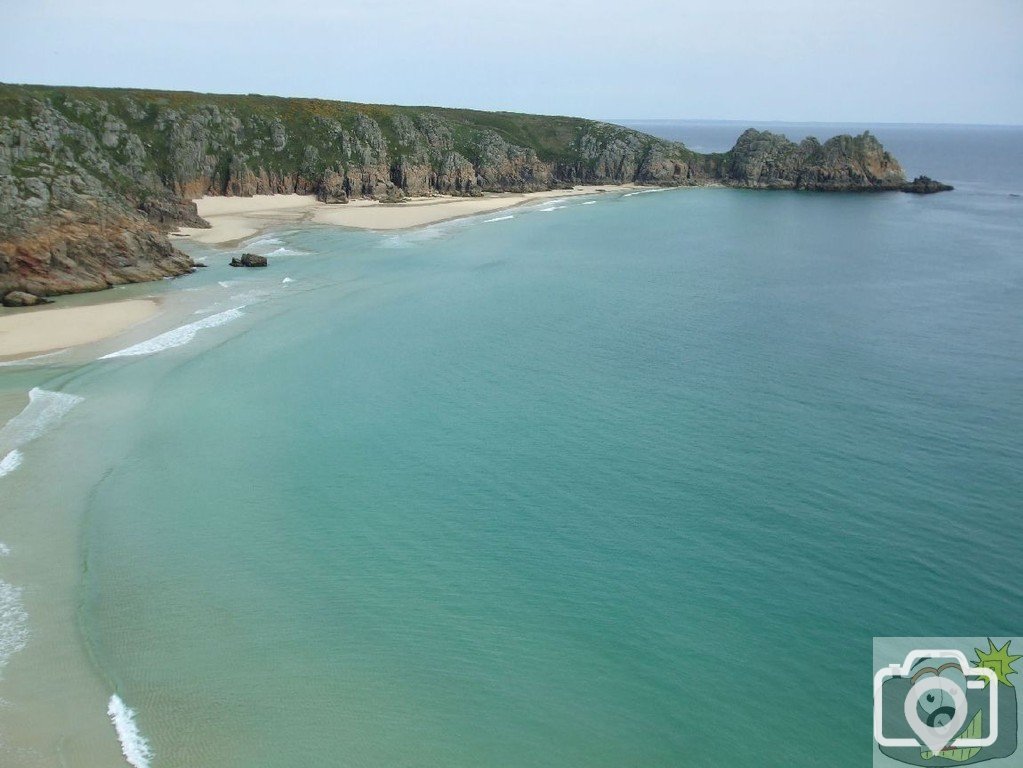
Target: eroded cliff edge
[{"x": 91, "y": 180}]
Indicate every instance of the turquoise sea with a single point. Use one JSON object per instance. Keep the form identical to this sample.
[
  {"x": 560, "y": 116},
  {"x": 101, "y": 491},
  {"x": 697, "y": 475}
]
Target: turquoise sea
[{"x": 616, "y": 481}]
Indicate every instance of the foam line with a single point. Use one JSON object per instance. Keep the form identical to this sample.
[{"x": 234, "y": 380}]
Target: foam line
[
  {"x": 264, "y": 241},
  {"x": 499, "y": 218},
  {"x": 646, "y": 191},
  {"x": 133, "y": 746},
  {"x": 177, "y": 337},
  {"x": 10, "y": 462},
  {"x": 13, "y": 621},
  {"x": 43, "y": 411},
  {"x": 31, "y": 360}
]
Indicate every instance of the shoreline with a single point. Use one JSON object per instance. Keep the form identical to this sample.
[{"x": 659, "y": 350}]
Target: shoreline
[
  {"x": 46, "y": 330},
  {"x": 234, "y": 219},
  {"x": 40, "y": 330}
]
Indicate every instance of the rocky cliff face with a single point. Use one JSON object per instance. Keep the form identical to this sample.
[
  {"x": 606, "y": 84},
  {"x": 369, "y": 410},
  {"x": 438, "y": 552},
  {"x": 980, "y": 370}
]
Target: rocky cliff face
[
  {"x": 92, "y": 179},
  {"x": 768, "y": 160}
]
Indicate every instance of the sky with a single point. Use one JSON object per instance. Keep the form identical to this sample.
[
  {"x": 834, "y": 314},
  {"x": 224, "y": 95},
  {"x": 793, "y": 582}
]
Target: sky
[{"x": 932, "y": 61}]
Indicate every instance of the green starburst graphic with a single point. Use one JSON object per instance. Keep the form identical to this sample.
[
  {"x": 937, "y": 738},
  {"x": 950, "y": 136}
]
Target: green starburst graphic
[{"x": 998, "y": 660}]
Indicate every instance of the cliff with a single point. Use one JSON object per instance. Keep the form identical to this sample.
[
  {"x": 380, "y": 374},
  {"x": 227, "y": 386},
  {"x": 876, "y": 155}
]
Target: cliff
[{"x": 91, "y": 179}]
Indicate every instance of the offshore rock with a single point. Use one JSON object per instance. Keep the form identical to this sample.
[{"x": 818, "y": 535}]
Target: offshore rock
[
  {"x": 924, "y": 185},
  {"x": 249, "y": 260}
]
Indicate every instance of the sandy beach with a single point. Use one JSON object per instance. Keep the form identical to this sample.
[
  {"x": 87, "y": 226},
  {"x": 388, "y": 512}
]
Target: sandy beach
[
  {"x": 237, "y": 218},
  {"x": 35, "y": 331}
]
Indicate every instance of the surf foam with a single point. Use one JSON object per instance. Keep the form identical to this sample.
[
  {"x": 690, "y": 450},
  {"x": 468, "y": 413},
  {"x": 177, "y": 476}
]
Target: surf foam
[
  {"x": 33, "y": 359},
  {"x": 645, "y": 192},
  {"x": 9, "y": 463},
  {"x": 499, "y": 218},
  {"x": 554, "y": 208},
  {"x": 287, "y": 280},
  {"x": 177, "y": 337},
  {"x": 264, "y": 241},
  {"x": 133, "y": 746},
  {"x": 43, "y": 411},
  {"x": 13, "y": 622}
]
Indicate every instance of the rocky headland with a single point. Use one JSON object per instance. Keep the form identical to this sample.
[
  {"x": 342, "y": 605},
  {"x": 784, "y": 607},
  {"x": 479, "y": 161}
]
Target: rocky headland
[{"x": 92, "y": 180}]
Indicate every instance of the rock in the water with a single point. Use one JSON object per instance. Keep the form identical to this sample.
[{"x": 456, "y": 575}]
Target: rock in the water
[
  {"x": 22, "y": 299},
  {"x": 924, "y": 185},
  {"x": 249, "y": 260}
]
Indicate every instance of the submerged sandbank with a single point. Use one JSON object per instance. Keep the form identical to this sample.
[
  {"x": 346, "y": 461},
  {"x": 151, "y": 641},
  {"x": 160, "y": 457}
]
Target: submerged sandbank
[
  {"x": 45, "y": 329},
  {"x": 237, "y": 218}
]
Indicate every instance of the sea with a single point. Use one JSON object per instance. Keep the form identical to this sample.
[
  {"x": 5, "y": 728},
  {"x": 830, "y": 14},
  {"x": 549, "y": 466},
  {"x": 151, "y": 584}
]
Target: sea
[{"x": 630, "y": 479}]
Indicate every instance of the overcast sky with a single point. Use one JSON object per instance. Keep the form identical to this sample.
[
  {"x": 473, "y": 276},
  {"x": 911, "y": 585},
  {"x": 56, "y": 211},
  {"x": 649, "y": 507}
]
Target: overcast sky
[{"x": 800, "y": 60}]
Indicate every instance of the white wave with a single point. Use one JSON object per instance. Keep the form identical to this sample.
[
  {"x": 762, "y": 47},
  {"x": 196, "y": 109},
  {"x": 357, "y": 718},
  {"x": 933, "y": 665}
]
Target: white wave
[
  {"x": 287, "y": 280},
  {"x": 4, "y": 550},
  {"x": 264, "y": 241},
  {"x": 134, "y": 747},
  {"x": 645, "y": 192},
  {"x": 13, "y": 622},
  {"x": 43, "y": 411},
  {"x": 286, "y": 252},
  {"x": 34, "y": 358},
  {"x": 224, "y": 283},
  {"x": 554, "y": 208},
  {"x": 499, "y": 218},
  {"x": 245, "y": 298},
  {"x": 10, "y": 462},
  {"x": 177, "y": 337},
  {"x": 590, "y": 202}
]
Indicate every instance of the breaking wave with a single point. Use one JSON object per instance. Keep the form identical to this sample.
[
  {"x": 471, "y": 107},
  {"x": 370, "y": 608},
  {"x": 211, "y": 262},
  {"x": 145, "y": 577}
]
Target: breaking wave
[
  {"x": 9, "y": 463},
  {"x": 499, "y": 218},
  {"x": 646, "y": 191},
  {"x": 264, "y": 241},
  {"x": 33, "y": 359},
  {"x": 134, "y": 747},
  {"x": 554, "y": 208},
  {"x": 43, "y": 411},
  {"x": 177, "y": 337},
  {"x": 13, "y": 621}
]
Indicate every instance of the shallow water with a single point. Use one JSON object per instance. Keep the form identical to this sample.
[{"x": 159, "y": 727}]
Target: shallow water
[{"x": 633, "y": 480}]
